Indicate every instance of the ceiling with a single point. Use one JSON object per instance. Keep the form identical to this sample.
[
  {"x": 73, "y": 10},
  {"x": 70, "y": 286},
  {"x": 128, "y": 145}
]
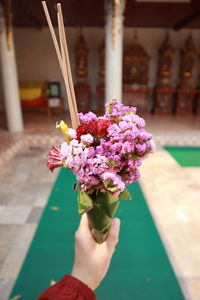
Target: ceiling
[{"x": 29, "y": 13}]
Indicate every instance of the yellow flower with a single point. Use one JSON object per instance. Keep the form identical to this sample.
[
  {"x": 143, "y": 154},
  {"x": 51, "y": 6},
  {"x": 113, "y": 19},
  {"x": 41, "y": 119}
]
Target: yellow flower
[{"x": 64, "y": 128}]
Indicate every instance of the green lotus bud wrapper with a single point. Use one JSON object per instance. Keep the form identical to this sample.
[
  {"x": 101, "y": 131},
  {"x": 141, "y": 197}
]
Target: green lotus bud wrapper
[{"x": 100, "y": 208}]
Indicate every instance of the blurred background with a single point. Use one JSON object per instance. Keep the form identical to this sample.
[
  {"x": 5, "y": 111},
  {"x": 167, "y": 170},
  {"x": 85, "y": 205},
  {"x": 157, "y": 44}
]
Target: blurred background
[{"x": 147, "y": 54}]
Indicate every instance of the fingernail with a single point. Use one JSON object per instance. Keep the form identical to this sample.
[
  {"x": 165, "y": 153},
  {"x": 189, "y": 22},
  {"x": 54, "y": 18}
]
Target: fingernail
[{"x": 116, "y": 222}]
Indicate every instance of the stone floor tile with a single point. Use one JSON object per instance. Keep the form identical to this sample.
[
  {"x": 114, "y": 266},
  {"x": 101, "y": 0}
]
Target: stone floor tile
[
  {"x": 35, "y": 215},
  {"x": 16, "y": 235},
  {"x": 9, "y": 234},
  {"x": 25, "y": 235},
  {"x": 194, "y": 287},
  {"x": 20, "y": 178},
  {"x": 190, "y": 287},
  {"x": 45, "y": 175},
  {"x": 3, "y": 254},
  {"x": 13, "y": 262},
  {"x": 5, "y": 198},
  {"x": 14, "y": 215},
  {"x": 41, "y": 199},
  {"x": 43, "y": 195},
  {"x": 23, "y": 198},
  {"x": 6, "y": 287},
  {"x": 173, "y": 197}
]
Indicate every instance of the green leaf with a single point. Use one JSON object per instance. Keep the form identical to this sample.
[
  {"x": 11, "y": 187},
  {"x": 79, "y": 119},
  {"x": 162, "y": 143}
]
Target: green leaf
[
  {"x": 111, "y": 163},
  {"x": 77, "y": 186},
  {"x": 125, "y": 195},
  {"x": 107, "y": 227},
  {"x": 85, "y": 203},
  {"x": 111, "y": 198},
  {"x": 97, "y": 217}
]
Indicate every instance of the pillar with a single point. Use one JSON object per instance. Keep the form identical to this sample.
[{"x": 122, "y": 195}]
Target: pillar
[
  {"x": 113, "y": 50},
  {"x": 10, "y": 82}
]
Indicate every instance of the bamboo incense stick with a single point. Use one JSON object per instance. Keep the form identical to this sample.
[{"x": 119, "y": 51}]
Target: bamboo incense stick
[
  {"x": 71, "y": 108},
  {"x": 64, "y": 65},
  {"x": 61, "y": 42},
  {"x": 59, "y": 8},
  {"x": 52, "y": 34},
  {"x": 60, "y": 60}
]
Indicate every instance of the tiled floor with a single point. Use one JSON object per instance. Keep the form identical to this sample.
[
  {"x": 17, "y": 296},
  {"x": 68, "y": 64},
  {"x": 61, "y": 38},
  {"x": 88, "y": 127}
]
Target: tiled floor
[
  {"x": 172, "y": 193},
  {"x": 25, "y": 186}
]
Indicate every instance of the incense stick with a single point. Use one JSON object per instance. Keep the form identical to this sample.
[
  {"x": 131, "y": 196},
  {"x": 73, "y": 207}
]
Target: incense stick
[
  {"x": 63, "y": 59},
  {"x": 67, "y": 66},
  {"x": 60, "y": 61},
  {"x": 52, "y": 34},
  {"x": 59, "y": 8},
  {"x": 71, "y": 109},
  {"x": 61, "y": 42}
]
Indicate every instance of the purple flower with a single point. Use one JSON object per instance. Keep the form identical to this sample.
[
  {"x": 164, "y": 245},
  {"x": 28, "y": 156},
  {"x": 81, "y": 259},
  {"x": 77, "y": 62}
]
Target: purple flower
[
  {"x": 115, "y": 110},
  {"x": 109, "y": 161},
  {"x": 86, "y": 118},
  {"x": 141, "y": 148}
]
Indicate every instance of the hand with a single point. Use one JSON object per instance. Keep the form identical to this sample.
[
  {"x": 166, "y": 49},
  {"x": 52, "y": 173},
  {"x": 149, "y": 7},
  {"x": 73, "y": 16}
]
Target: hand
[{"x": 92, "y": 260}]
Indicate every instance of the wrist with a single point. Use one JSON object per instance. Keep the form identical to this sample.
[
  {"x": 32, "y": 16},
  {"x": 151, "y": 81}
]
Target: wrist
[{"x": 91, "y": 283}]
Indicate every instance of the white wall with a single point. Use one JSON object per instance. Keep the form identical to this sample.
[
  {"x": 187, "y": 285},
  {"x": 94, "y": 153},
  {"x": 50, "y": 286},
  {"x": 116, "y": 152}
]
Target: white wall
[
  {"x": 36, "y": 57},
  {"x": 37, "y": 60}
]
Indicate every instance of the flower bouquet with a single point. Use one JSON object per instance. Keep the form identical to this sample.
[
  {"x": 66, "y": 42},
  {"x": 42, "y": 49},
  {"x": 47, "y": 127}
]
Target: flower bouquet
[{"x": 104, "y": 153}]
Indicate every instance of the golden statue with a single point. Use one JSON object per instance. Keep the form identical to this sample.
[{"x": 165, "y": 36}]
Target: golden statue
[
  {"x": 81, "y": 51},
  {"x": 165, "y": 62},
  {"x": 188, "y": 54},
  {"x": 136, "y": 64}
]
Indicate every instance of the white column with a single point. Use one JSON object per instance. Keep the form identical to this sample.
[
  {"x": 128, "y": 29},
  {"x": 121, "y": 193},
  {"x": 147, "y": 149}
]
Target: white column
[
  {"x": 113, "y": 53},
  {"x": 10, "y": 83}
]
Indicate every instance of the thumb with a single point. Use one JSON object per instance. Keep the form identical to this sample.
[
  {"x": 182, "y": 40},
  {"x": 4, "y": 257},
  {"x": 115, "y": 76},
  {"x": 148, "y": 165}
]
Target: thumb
[
  {"x": 83, "y": 228},
  {"x": 113, "y": 235}
]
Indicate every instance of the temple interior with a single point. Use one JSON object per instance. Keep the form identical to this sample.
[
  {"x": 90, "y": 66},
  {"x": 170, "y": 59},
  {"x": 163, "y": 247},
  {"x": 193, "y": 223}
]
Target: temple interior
[{"x": 145, "y": 53}]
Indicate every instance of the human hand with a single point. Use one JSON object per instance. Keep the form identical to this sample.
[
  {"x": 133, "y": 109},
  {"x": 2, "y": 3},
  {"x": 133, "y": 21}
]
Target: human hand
[{"x": 92, "y": 260}]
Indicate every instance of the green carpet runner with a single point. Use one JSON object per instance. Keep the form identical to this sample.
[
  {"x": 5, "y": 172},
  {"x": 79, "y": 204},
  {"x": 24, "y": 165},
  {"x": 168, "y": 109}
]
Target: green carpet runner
[
  {"x": 140, "y": 268},
  {"x": 185, "y": 156}
]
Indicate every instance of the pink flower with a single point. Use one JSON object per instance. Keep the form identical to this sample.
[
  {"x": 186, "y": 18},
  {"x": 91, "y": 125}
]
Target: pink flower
[
  {"x": 54, "y": 160},
  {"x": 52, "y": 165},
  {"x": 104, "y": 153},
  {"x": 113, "y": 182}
]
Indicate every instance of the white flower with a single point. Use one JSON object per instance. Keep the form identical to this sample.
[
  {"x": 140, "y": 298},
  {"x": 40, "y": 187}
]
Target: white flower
[
  {"x": 87, "y": 139},
  {"x": 74, "y": 143},
  {"x": 72, "y": 133}
]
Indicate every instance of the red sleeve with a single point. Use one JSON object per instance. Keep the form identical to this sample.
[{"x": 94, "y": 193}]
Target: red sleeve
[{"x": 69, "y": 288}]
